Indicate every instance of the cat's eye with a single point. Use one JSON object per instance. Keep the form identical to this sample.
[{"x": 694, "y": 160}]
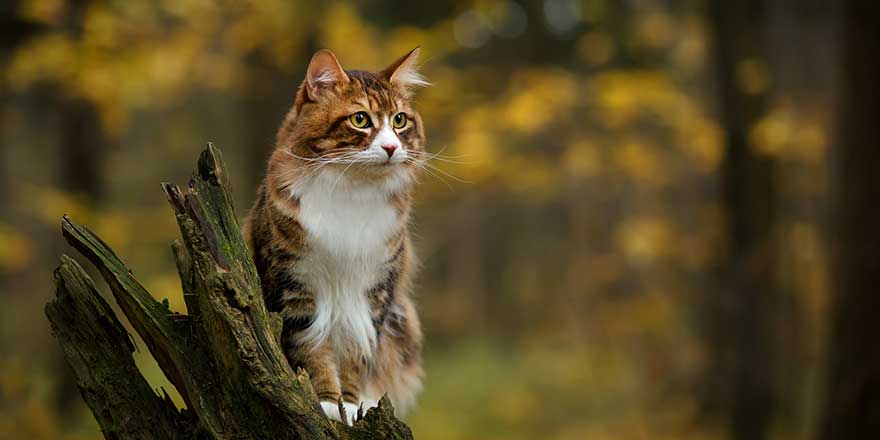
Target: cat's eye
[
  {"x": 360, "y": 120},
  {"x": 399, "y": 121}
]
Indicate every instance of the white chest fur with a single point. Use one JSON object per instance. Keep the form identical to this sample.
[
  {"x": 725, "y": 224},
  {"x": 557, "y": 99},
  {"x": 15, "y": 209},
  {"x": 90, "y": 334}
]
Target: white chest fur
[{"x": 347, "y": 227}]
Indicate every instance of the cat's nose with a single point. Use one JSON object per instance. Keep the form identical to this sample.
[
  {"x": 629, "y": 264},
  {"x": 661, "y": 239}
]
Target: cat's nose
[{"x": 389, "y": 149}]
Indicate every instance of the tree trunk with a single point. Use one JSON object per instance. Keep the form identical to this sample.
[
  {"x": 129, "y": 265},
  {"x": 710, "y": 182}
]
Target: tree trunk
[
  {"x": 223, "y": 356},
  {"x": 81, "y": 150},
  {"x": 740, "y": 314},
  {"x": 852, "y": 407}
]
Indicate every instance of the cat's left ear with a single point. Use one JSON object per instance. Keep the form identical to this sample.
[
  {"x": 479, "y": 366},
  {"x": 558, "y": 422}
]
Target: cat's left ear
[
  {"x": 323, "y": 70},
  {"x": 404, "y": 71}
]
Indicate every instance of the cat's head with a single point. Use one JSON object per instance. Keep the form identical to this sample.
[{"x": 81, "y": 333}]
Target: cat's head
[{"x": 364, "y": 121}]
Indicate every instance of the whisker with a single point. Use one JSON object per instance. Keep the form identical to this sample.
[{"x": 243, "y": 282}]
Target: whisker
[
  {"x": 336, "y": 182},
  {"x": 433, "y": 174},
  {"x": 323, "y": 161},
  {"x": 440, "y": 153},
  {"x": 444, "y": 156},
  {"x": 307, "y": 159},
  {"x": 313, "y": 168},
  {"x": 451, "y": 176},
  {"x": 443, "y": 159},
  {"x": 333, "y": 154},
  {"x": 318, "y": 168}
]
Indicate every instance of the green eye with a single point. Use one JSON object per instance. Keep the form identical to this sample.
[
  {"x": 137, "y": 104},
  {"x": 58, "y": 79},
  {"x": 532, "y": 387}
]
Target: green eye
[
  {"x": 359, "y": 120},
  {"x": 399, "y": 120}
]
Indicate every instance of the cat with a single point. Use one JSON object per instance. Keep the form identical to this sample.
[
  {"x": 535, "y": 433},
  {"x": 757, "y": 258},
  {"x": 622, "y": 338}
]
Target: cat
[{"x": 329, "y": 233}]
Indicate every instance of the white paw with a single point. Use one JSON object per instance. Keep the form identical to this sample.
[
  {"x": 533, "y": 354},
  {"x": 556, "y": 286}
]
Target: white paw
[
  {"x": 331, "y": 409},
  {"x": 370, "y": 403},
  {"x": 351, "y": 411}
]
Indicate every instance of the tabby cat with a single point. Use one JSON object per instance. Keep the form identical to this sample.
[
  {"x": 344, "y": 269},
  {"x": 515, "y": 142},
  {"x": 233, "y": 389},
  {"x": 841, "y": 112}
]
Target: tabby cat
[{"x": 329, "y": 236}]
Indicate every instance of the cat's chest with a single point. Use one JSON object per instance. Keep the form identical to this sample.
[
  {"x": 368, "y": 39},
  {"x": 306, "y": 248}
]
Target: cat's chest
[
  {"x": 347, "y": 227},
  {"x": 346, "y": 233}
]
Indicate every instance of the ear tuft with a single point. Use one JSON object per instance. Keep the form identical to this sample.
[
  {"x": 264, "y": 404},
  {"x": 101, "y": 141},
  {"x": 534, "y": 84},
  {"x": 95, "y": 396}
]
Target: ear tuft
[
  {"x": 412, "y": 78},
  {"x": 324, "y": 70},
  {"x": 404, "y": 71}
]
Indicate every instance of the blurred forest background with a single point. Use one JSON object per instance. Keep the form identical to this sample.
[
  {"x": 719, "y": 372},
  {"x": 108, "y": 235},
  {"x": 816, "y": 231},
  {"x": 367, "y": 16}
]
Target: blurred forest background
[{"x": 661, "y": 225}]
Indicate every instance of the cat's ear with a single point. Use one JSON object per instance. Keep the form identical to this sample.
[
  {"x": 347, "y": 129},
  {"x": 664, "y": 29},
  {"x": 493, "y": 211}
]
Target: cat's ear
[
  {"x": 324, "y": 70},
  {"x": 404, "y": 71}
]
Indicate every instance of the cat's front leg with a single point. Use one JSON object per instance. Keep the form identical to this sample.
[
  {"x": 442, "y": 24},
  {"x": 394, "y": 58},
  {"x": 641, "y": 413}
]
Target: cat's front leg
[
  {"x": 350, "y": 378},
  {"x": 324, "y": 376},
  {"x": 318, "y": 362}
]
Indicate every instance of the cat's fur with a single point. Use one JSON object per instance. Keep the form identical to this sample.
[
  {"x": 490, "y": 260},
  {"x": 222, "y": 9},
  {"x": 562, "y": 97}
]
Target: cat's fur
[{"x": 330, "y": 240}]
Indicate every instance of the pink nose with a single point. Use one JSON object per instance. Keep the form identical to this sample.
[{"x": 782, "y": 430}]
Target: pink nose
[{"x": 389, "y": 149}]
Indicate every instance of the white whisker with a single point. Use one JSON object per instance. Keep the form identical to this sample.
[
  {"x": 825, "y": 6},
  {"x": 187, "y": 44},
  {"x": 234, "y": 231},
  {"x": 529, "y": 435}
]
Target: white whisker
[
  {"x": 432, "y": 174},
  {"x": 453, "y": 177},
  {"x": 336, "y": 182},
  {"x": 427, "y": 157}
]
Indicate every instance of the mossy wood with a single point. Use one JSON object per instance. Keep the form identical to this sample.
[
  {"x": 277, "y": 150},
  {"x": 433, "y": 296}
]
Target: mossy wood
[{"x": 223, "y": 356}]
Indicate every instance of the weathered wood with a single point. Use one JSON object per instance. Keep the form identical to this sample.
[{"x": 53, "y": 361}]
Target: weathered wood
[
  {"x": 224, "y": 356},
  {"x": 98, "y": 349}
]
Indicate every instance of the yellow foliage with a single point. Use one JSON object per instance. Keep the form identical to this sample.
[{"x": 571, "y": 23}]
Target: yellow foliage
[
  {"x": 49, "y": 204},
  {"x": 595, "y": 48},
  {"x": 656, "y": 29},
  {"x": 810, "y": 142},
  {"x": 405, "y": 38},
  {"x": 47, "y": 58},
  {"x": 752, "y": 76},
  {"x": 478, "y": 148},
  {"x": 27, "y": 411},
  {"x": 582, "y": 158},
  {"x": 689, "y": 53},
  {"x": 697, "y": 248},
  {"x": 115, "y": 228},
  {"x": 353, "y": 40},
  {"x": 640, "y": 162},
  {"x": 702, "y": 140},
  {"x": 539, "y": 98},
  {"x": 770, "y": 134},
  {"x": 622, "y": 96},
  {"x": 513, "y": 404},
  {"x": 600, "y": 271},
  {"x": 16, "y": 250},
  {"x": 530, "y": 175},
  {"x": 42, "y": 11},
  {"x": 643, "y": 240}
]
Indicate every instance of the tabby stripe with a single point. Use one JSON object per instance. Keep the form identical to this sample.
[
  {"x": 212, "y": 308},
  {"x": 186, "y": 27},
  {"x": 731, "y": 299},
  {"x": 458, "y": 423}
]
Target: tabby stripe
[
  {"x": 388, "y": 286},
  {"x": 287, "y": 229},
  {"x": 397, "y": 253},
  {"x": 282, "y": 255},
  {"x": 333, "y": 127},
  {"x": 295, "y": 324},
  {"x": 281, "y": 288},
  {"x": 350, "y": 397},
  {"x": 285, "y": 282}
]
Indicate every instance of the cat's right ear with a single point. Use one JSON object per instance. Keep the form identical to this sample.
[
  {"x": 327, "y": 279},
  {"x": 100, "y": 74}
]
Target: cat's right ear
[{"x": 324, "y": 70}]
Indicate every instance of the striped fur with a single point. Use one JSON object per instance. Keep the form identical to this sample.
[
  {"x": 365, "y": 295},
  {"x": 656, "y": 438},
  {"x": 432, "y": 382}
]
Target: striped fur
[{"x": 330, "y": 239}]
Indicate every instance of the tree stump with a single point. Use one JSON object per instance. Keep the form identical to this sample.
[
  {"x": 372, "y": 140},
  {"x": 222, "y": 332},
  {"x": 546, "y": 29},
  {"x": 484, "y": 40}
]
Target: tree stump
[{"x": 223, "y": 356}]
